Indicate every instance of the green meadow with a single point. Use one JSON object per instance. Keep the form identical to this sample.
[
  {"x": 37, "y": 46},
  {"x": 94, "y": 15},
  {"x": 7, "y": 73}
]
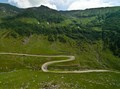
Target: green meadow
[{"x": 92, "y": 36}]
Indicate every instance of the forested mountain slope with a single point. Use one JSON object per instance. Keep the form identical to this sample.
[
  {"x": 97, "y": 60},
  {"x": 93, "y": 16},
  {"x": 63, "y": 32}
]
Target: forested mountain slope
[{"x": 92, "y": 31}]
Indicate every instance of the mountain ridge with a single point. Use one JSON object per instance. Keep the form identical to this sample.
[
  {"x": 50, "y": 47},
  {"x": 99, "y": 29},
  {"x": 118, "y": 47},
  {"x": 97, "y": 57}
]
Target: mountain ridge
[{"x": 85, "y": 32}]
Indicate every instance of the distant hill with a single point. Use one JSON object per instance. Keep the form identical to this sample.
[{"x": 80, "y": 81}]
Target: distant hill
[
  {"x": 43, "y": 13},
  {"x": 88, "y": 25},
  {"x": 8, "y": 10},
  {"x": 91, "y": 12}
]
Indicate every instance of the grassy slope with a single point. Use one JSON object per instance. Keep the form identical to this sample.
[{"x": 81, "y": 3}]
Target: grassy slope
[
  {"x": 39, "y": 80},
  {"x": 33, "y": 78},
  {"x": 88, "y": 56}
]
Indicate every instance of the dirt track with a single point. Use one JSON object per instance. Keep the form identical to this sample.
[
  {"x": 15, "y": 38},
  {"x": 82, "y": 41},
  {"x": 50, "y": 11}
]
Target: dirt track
[{"x": 44, "y": 67}]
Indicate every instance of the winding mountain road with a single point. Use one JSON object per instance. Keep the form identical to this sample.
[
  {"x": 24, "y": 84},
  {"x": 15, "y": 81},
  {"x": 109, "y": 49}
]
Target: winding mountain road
[{"x": 44, "y": 67}]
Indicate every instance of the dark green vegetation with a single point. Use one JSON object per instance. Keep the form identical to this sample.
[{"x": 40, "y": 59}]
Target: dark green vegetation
[
  {"x": 111, "y": 32},
  {"x": 92, "y": 36}
]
